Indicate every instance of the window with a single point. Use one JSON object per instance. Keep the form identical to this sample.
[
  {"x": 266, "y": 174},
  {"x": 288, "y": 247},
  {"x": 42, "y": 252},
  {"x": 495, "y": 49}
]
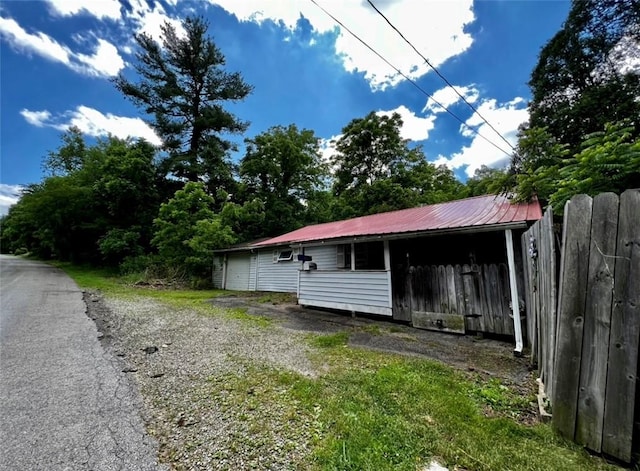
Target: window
[
  {"x": 282, "y": 255},
  {"x": 343, "y": 256},
  {"x": 368, "y": 256}
]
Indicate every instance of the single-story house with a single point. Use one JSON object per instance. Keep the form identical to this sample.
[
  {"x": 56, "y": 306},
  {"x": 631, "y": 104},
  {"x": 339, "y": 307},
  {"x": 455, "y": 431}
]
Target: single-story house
[{"x": 454, "y": 266}]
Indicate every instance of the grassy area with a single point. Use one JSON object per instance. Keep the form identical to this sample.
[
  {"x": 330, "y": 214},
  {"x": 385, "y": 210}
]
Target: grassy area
[{"x": 374, "y": 411}]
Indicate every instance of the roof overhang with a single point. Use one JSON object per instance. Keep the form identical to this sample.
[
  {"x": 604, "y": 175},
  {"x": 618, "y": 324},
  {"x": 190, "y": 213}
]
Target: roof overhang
[{"x": 410, "y": 235}]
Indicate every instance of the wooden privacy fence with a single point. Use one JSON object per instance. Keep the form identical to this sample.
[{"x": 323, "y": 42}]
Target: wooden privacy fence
[
  {"x": 540, "y": 278},
  {"x": 459, "y": 298},
  {"x": 586, "y": 345}
]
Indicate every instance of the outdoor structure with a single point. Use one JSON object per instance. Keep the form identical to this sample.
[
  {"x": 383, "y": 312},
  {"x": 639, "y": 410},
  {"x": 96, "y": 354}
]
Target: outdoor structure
[
  {"x": 451, "y": 266},
  {"x": 245, "y": 267}
]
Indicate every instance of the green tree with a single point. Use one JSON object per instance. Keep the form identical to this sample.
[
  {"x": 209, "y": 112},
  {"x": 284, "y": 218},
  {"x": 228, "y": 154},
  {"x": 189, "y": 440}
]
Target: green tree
[
  {"x": 609, "y": 161},
  {"x": 369, "y": 149},
  {"x": 486, "y": 181},
  {"x": 98, "y": 209},
  {"x": 375, "y": 170},
  {"x": 70, "y": 156},
  {"x": 186, "y": 231},
  {"x": 183, "y": 86},
  {"x": 246, "y": 220},
  {"x": 283, "y": 168},
  {"x": 534, "y": 167},
  {"x": 580, "y": 81},
  {"x": 53, "y": 219}
]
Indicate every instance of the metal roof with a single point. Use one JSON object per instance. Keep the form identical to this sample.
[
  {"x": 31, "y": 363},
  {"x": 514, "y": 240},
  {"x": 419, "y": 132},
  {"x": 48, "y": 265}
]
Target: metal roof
[{"x": 476, "y": 212}]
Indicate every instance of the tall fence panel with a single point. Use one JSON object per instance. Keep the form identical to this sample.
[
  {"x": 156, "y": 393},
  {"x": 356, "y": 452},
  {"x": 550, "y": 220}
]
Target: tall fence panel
[
  {"x": 586, "y": 346},
  {"x": 625, "y": 332}
]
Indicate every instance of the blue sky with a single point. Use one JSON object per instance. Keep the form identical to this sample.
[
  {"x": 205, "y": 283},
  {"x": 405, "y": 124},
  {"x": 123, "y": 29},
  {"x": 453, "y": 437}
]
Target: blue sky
[{"x": 58, "y": 56}]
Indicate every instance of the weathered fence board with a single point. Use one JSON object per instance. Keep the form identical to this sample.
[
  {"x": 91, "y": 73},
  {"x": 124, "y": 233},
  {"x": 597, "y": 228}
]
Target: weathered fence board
[
  {"x": 473, "y": 311},
  {"x": 597, "y": 321},
  {"x": 571, "y": 304},
  {"x": 625, "y": 331}
]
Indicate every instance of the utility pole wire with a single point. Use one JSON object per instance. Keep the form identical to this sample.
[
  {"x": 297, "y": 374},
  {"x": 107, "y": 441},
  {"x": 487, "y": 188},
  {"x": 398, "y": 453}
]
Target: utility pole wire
[
  {"x": 475, "y": 110},
  {"x": 413, "y": 82}
]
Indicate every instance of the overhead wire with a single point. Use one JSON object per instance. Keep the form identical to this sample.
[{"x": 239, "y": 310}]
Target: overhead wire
[
  {"x": 449, "y": 84},
  {"x": 410, "y": 80}
]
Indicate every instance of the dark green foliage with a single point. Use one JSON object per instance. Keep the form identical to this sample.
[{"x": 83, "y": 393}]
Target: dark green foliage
[
  {"x": 486, "y": 181},
  {"x": 183, "y": 85},
  {"x": 283, "y": 169},
  {"x": 609, "y": 161},
  {"x": 99, "y": 209},
  {"x": 70, "y": 156},
  {"x": 186, "y": 231},
  {"x": 579, "y": 83}
]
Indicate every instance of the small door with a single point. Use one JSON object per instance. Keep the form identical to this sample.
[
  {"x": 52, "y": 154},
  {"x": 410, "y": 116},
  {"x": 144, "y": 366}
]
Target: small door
[{"x": 238, "y": 270}]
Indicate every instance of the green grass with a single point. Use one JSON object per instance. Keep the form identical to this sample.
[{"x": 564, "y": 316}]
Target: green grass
[
  {"x": 329, "y": 340},
  {"x": 277, "y": 298},
  {"x": 241, "y": 314},
  {"x": 376, "y": 411}
]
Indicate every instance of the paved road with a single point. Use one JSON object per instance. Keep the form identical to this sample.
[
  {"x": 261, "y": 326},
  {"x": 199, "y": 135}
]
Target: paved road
[{"x": 64, "y": 402}]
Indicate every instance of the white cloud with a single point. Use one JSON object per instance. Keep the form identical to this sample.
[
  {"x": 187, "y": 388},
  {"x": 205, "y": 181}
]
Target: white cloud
[
  {"x": 9, "y": 195},
  {"x": 103, "y": 62},
  {"x": 36, "y": 118},
  {"x": 506, "y": 118},
  {"x": 447, "y": 96},
  {"x": 149, "y": 19},
  {"x": 414, "y": 127},
  {"x": 94, "y": 123},
  {"x": 328, "y": 148},
  {"x": 101, "y": 9},
  {"x": 435, "y": 28}
]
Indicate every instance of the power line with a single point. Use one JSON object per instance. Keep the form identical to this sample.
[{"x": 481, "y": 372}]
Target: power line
[
  {"x": 413, "y": 82},
  {"x": 440, "y": 75}
]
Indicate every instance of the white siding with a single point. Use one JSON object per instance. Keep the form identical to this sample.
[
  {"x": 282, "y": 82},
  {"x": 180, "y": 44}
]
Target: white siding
[
  {"x": 361, "y": 291},
  {"x": 216, "y": 277},
  {"x": 281, "y": 277},
  {"x": 238, "y": 268},
  {"x": 323, "y": 256}
]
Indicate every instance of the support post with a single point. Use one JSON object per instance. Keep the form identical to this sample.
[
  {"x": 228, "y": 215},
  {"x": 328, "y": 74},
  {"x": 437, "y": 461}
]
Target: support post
[{"x": 515, "y": 301}]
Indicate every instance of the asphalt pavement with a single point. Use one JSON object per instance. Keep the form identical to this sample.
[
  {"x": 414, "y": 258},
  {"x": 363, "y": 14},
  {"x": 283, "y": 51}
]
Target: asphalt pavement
[{"x": 65, "y": 404}]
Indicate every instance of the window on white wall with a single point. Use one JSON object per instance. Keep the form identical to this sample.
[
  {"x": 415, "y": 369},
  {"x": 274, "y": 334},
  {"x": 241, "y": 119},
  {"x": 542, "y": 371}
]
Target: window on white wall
[
  {"x": 282, "y": 255},
  {"x": 343, "y": 256}
]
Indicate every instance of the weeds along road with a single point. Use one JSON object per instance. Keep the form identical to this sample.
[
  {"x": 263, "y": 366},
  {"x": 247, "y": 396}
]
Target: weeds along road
[{"x": 64, "y": 403}]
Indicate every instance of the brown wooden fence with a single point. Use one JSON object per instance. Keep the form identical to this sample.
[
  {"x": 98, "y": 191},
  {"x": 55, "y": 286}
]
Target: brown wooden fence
[
  {"x": 540, "y": 274},
  {"x": 586, "y": 345},
  {"x": 461, "y": 298}
]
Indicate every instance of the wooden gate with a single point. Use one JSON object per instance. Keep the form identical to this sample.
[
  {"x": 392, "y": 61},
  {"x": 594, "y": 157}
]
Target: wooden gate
[{"x": 461, "y": 298}]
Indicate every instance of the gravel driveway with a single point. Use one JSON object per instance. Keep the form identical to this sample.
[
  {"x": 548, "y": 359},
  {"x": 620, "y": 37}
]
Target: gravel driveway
[{"x": 174, "y": 357}]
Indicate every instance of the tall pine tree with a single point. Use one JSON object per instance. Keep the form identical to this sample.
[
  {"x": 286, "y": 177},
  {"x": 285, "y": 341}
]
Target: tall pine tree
[{"x": 183, "y": 86}]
